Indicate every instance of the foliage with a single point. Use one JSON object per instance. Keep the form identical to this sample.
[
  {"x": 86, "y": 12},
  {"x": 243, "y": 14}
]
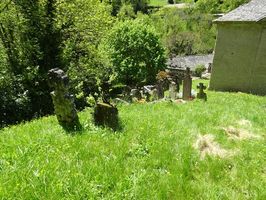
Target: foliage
[
  {"x": 218, "y": 6},
  {"x": 135, "y": 52},
  {"x": 152, "y": 158},
  {"x": 183, "y": 32},
  {"x": 44, "y": 34},
  {"x": 83, "y": 24},
  {"x": 126, "y": 12},
  {"x": 31, "y": 44},
  {"x": 137, "y": 5},
  {"x": 199, "y": 70},
  {"x": 162, "y": 76}
]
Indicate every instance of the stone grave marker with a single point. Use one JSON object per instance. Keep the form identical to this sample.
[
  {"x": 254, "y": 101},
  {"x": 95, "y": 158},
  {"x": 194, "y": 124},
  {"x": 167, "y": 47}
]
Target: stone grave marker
[
  {"x": 201, "y": 94},
  {"x": 187, "y": 85},
  {"x": 63, "y": 102},
  {"x": 172, "y": 90},
  {"x": 106, "y": 115},
  {"x": 160, "y": 90}
]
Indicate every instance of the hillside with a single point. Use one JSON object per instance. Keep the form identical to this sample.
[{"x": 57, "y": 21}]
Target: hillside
[{"x": 159, "y": 154}]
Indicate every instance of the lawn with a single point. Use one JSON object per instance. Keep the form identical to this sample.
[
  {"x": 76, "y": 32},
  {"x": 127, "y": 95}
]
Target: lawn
[
  {"x": 158, "y": 2},
  {"x": 153, "y": 157}
]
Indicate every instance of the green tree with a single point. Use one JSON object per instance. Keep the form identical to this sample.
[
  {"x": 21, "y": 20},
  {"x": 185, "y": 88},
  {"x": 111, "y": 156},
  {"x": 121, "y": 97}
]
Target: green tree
[
  {"x": 138, "y": 5},
  {"x": 135, "y": 52},
  {"x": 83, "y": 23},
  {"x": 37, "y": 35}
]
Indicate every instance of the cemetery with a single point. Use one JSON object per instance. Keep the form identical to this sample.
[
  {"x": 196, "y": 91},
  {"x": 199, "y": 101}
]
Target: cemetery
[{"x": 97, "y": 102}]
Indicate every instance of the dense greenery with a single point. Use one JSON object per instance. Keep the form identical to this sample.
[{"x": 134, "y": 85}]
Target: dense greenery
[
  {"x": 185, "y": 31},
  {"x": 135, "y": 52},
  {"x": 218, "y": 6},
  {"x": 40, "y": 35},
  {"x": 37, "y": 35},
  {"x": 152, "y": 158},
  {"x": 138, "y": 5}
]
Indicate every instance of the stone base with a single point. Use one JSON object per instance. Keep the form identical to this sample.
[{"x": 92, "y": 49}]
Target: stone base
[{"x": 202, "y": 96}]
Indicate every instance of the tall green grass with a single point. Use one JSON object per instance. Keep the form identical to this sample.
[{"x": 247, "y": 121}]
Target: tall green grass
[{"x": 152, "y": 158}]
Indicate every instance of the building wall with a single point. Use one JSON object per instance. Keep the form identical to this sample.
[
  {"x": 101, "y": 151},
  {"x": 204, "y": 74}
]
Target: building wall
[{"x": 240, "y": 58}]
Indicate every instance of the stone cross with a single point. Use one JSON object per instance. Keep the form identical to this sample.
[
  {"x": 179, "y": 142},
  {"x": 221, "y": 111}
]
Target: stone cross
[
  {"x": 187, "y": 85},
  {"x": 63, "y": 102},
  {"x": 172, "y": 90},
  {"x": 201, "y": 94}
]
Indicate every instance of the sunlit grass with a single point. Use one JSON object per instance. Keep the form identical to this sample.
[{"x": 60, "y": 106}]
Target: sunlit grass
[
  {"x": 152, "y": 158},
  {"x": 158, "y": 2}
]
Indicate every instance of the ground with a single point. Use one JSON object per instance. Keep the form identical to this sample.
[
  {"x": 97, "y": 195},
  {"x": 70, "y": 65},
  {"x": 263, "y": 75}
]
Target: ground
[{"x": 166, "y": 150}]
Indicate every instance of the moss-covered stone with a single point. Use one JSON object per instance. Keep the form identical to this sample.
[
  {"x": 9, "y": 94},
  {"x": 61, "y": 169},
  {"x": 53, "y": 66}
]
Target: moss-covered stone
[
  {"x": 63, "y": 102},
  {"x": 106, "y": 115}
]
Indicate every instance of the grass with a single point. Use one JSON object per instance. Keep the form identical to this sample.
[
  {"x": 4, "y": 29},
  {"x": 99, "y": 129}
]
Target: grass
[
  {"x": 152, "y": 158},
  {"x": 158, "y": 3}
]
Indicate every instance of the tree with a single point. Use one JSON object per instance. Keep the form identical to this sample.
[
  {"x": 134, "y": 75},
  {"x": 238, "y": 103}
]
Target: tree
[
  {"x": 83, "y": 24},
  {"x": 135, "y": 52},
  {"x": 37, "y": 35},
  {"x": 138, "y": 5}
]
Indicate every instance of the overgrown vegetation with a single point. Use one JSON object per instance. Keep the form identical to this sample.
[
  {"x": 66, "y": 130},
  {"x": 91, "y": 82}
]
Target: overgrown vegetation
[
  {"x": 135, "y": 52},
  {"x": 36, "y": 36},
  {"x": 152, "y": 158}
]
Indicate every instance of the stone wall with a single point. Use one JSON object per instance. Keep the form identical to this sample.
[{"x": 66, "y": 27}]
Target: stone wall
[{"x": 239, "y": 62}]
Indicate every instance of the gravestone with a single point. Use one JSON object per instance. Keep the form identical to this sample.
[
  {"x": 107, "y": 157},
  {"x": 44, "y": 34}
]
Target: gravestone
[
  {"x": 154, "y": 94},
  {"x": 201, "y": 94},
  {"x": 160, "y": 90},
  {"x": 135, "y": 95},
  {"x": 172, "y": 90},
  {"x": 106, "y": 115},
  {"x": 187, "y": 85},
  {"x": 63, "y": 102}
]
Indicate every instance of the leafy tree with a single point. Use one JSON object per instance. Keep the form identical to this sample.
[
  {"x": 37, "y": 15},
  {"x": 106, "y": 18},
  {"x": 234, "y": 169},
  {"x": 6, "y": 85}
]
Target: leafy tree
[
  {"x": 37, "y": 35},
  {"x": 83, "y": 24},
  {"x": 135, "y": 52},
  {"x": 126, "y": 12},
  {"x": 138, "y": 5},
  {"x": 217, "y": 6}
]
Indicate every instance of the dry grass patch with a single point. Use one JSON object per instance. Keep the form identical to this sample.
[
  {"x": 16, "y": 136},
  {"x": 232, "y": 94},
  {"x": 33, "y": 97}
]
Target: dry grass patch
[
  {"x": 242, "y": 133},
  {"x": 244, "y": 122},
  {"x": 206, "y": 145}
]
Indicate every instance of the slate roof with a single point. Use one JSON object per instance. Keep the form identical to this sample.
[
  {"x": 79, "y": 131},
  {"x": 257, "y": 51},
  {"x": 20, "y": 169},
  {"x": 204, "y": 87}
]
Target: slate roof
[
  {"x": 182, "y": 62},
  {"x": 253, "y": 11}
]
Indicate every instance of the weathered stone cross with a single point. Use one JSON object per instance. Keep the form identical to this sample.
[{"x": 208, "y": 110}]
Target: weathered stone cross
[{"x": 201, "y": 94}]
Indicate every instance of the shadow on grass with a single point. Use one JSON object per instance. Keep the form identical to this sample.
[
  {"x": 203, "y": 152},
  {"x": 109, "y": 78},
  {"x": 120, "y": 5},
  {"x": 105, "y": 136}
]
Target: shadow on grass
[{"x": 81, "y": 129}]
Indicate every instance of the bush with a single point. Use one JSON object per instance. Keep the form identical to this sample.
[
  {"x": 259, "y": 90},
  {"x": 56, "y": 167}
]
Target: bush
[
  {"x": 15, "y": 102},
  {"x": 135, "y": 52},
  {"x": 199, "y": 70}
]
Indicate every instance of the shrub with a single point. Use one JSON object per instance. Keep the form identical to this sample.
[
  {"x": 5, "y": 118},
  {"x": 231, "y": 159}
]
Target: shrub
[
  {"x": 135, "y": 52},
  {"x": 199, "y": 70}
]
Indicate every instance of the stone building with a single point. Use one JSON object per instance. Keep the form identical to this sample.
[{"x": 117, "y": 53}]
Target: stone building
[{"x": 240, "y": 55}]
